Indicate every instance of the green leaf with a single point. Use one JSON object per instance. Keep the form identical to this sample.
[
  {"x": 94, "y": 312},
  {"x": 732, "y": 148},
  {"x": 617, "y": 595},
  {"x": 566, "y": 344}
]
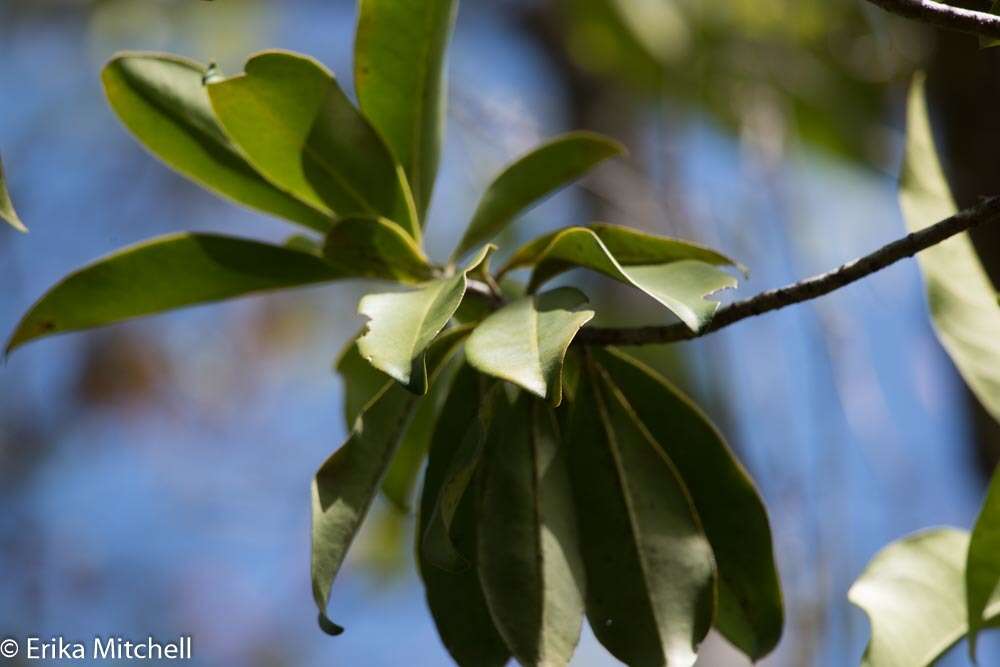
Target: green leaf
[
  {"x": 982, "y": 568},
  {"x": 650, "y": 569},
  {"x": 456, "y": 598},
  {"x": 962, "y": 299},
  {"x": 376, "y": 248},
  {"x": 528, "y": 552},
  {"x": 677, "y": 275},
  {"x": 7, "y": 212},
  {"x": 533, "y": 177},
  {"x": 298, "y": 128},
  {"x": 989, "y": 42},
  {"x": 346, "y": 484},
  {"x": 165, "y": 273},
  {"x": 525, "y": 341},
  {"x": 913, "y": 594},
  {"x": 403, "y": 324},
  {"x": 735, "y": 520},
  {"x": 399, "y": 55},
  {"x": 162, "y": 100}
]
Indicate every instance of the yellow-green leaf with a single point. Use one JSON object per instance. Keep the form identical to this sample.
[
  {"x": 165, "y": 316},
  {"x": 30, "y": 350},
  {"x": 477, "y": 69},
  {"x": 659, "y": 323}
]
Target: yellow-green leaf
[
  {"x": 525, "y": 342},
  {"x": 402, "y": 324},
  {"x": 677, "y": 275},
  {"x": 913, "y": 594},
  {"x": 376, "y": 248},
  {"x": 533, "y": 177},
  {"x": 399, "y": 55},
  {"x": 299, "y": 129},
  {"x": 982, "y": 567},
  {"x": 528, "y": 550},
  {"x": 347, "y": 482},
  {"x": 162, "y": 100},
  {"x": 962, "y": 299},
  {"x": 7, "y": 212},
  {"x": 163, "y": 274}
]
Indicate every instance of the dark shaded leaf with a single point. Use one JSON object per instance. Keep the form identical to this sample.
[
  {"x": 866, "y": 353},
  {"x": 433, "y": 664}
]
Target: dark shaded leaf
[
  {"x": 650, "y": 570},
  {"x": 525, "y": 341},
  {"x": 162, "y": 100},
  {"x": 982, "y": 568},
  {"x": 735, "y": 520},
  {"x": 399, "y": 55},
  {"x": 456, "y": 599},
  {"x": 533, "y": 177},
  {"x": 347, "y": 482},
  {"x": 376, "y": 248},
  {"x": 528, "y": 556},
  {"x": 163, "y": 274},
  {"x": 299, "y": 129}
]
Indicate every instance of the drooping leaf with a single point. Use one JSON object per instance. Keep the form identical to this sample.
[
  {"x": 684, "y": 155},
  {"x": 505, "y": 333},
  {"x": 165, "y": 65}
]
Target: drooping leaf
[
  {"x": 362, "y": 381},
  {"x": 403, "y": 324},
  {"x": 913, "y": 594},
  {"x": 7, "y": 212},
  {"x": 376, "y": 248},
  {"x": 437, "y": 544},
  {"x": 163, "y": 274},
  {"x": 735, "y": 520},
  {"x": 525, "y": 342},
  {"x": 962, "y": 299},
  {"x": 299, "y": 129},
  {"x": 162, "y": 100},
  {"x": 399, "y": 55},
  {"x": 456, "y": 598},
  {"x": 989, "y": 42},
  {"x": 663, "y": 271},
  {"x": 347, "y": 482},
  {"x": 982, "y": 568},
  {"x": 650, "y": 570},
  {"x": 533, "y": 177},
  {"x": 528, "y": 551}
]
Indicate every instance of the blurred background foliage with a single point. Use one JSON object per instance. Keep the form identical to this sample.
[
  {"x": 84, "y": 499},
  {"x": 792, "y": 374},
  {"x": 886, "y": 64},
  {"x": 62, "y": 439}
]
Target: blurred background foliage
[{"x": 156, "y": 475}]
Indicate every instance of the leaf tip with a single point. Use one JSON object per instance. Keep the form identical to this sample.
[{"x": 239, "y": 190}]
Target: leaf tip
[{"x": 328, "y": 626}]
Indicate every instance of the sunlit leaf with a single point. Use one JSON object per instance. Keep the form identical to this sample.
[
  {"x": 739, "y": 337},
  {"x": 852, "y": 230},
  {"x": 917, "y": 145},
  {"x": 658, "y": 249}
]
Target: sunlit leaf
[
  {"x": 528, "y": 551},
  {"x": 540, "y": 173},
  {"x": 525, "y": 341},
  {"x": 162, "y": 100},
  {"x": 399, "y": 54},
  {"x": 732, "y": 513},
  {"x": 376, "y": 248},
  {"x": 456, "y": 598},
  {"x": 403, "y": 324},
  {"x": 163, "y": 274},
  {"x": 962, "y": 299},
  {"x": 982, "y": 568},
  {"x": 676, "y": 274},
  {"x": 913, "y": 594},
  {"x": 7, "y": 212},
  {"x": 650, "y": 570},
  {"x": 299, "y": 129},
  {"x": 346, "y": 484}
]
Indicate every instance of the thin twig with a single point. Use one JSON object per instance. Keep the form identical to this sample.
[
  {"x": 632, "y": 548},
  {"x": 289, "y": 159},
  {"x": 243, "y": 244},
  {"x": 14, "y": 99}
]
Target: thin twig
[
  {"x": 987, "y": 211},
  {"x": 944, "y": 16}
]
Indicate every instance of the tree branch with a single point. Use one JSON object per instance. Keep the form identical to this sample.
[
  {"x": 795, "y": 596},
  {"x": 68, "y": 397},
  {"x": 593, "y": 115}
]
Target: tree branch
[
  {"x": 987, "y": 211},
  {"x": 944, "y": 16}
]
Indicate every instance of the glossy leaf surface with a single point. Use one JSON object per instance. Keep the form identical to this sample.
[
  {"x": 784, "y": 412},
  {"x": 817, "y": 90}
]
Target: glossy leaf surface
[
  {"x": 163, "y": 274},
  {"x": 680, "y": 285},
  {"x": 913, "y": 594},
  {"x": 162, "y": 100},
  {"x": 403, "y": 324},
  {"x": 525, "y": 342},
  {"x": 528, "y": 555},
  {"x": 299, "y": 129},
  {"x": 750, "y": 613},
  {"x": 962, "y": 299},
  {"x": 456, "y": 597},
  {"x": 399, "y": 55},
  {"x": 532, "y": 178},
  {"x": 347, "y": 482},
  {"x": 650, "y": 570}
]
